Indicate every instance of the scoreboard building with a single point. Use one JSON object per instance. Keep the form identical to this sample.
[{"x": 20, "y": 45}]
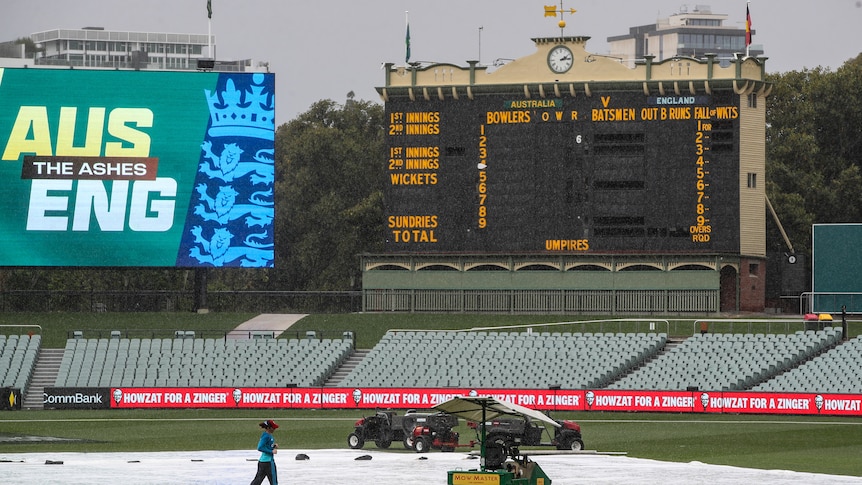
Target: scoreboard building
[{"x": 567, "y": 182}]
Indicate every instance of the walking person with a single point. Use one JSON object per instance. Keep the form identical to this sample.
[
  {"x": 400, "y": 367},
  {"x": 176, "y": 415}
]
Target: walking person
[{"x": 267, "y": 448}]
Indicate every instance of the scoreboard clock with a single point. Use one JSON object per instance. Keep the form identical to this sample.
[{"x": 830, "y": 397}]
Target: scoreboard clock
[
  {"x": 611, "y": 172},
  {"x": 560, "y": 59}
]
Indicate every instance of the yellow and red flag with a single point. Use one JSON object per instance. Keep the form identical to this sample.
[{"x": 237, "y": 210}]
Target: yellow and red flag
[{"x": 747, "y": 27}]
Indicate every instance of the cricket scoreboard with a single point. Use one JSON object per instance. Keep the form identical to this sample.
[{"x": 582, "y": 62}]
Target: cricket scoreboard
[{"x": 615, "y": 171}]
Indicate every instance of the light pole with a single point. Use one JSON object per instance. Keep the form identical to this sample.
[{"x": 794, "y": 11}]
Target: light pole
[{"x": 480, "y": 45}]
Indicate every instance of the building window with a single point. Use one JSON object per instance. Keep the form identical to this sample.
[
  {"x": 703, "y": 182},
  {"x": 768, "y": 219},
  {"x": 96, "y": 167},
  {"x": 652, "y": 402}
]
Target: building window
[
  {"x": 705, "y": 22},
  {"x": 753, "y": 269},
  {"x": 752, "y": 100},
  {"x": 752, "y": 180},
  {"x": 711, "y": 42}
]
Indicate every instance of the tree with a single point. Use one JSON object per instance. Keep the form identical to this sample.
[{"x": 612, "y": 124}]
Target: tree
[
  {"x": 814, "y": 138},
  {"x": 330, "y": 164}
]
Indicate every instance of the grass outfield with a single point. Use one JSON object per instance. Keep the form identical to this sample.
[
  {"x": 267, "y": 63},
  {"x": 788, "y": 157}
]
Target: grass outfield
[{"x": 809, "y": 444}]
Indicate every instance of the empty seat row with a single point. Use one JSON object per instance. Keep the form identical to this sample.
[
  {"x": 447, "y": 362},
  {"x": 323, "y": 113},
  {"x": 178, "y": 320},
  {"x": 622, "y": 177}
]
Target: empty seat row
[
  {"x": 204, "y": 362},
  {"x": 727, "y": 361},
  {"x": 504, "y": 359},
  {"x": 18, "y": 356}
]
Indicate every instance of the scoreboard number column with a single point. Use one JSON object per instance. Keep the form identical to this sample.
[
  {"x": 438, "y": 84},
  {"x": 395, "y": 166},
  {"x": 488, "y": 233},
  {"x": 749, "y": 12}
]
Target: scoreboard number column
[
  {"x": 482, "y": 187},
  {"x": 702, "y": 229}
]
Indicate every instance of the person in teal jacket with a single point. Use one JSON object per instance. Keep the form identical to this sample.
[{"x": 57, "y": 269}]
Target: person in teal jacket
[{"x": 267, "y": 448}]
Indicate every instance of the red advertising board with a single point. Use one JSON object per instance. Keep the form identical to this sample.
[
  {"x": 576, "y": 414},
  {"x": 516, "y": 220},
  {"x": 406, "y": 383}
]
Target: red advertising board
[
  {"x": 540, "y": 399},
  {"x": 331, "y": 398},
  {"x": 644, "y": 401}
]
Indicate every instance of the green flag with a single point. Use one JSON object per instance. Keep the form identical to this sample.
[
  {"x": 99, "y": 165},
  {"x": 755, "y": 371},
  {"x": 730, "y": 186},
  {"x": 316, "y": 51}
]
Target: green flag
[
  {"x": 210, "y": 8},
  {"x": 407, "y": 41}
]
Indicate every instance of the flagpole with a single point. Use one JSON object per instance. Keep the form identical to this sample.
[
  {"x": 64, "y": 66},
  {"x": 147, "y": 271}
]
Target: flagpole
[
  {"x": 210, "y": 30},
  {"x": 480, "y": 45}
]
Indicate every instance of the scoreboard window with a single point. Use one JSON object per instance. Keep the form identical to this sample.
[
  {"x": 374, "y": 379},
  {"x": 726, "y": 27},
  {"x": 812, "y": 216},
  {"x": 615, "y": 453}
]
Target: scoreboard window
[{"x": 615, "y": 171}]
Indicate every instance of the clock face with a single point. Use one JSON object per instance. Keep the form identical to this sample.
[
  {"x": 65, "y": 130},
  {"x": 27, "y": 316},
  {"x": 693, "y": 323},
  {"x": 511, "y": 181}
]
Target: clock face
[{"x": 560, "y": 59}]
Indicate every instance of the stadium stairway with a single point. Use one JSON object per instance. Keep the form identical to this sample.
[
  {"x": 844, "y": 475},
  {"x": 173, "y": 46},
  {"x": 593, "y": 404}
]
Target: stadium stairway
[
  {"x": 44, "y": 374},
  {"x": 346, "y": 367},
  {"x": 671, "y": 343}
]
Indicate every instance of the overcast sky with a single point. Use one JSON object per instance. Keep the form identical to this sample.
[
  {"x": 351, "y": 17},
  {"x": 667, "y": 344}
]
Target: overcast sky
[{"x": 325, "y": 49}]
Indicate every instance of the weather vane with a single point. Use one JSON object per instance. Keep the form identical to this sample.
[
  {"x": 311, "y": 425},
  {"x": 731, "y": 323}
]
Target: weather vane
[{"x": 551, "y": 11}]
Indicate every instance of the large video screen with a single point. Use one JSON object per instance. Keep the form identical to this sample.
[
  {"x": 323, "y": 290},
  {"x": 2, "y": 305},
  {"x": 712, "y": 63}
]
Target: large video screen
[
  {"x": 610, "y": 172},
  {"x": 136, "y": 168},
  {"x": 835, "y": 266}
]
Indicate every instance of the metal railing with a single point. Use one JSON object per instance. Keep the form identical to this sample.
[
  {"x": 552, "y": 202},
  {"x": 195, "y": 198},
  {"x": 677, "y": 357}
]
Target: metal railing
[
  {"x": 180, "y": 301},
  {"x": 614, "y": 325},
  {"x": 541, "y": 301},
  {"x": 167, "y": 333},
  {"x": 830, "y": 302},
  {"x": 27, "y": 329}
]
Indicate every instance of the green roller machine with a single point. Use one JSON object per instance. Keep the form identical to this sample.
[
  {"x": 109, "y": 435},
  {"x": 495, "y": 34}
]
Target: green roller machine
[{"x": 500, "y": 463}]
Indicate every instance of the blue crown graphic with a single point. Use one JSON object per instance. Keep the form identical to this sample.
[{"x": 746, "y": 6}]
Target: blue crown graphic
[{"x": 249, "y": 113}]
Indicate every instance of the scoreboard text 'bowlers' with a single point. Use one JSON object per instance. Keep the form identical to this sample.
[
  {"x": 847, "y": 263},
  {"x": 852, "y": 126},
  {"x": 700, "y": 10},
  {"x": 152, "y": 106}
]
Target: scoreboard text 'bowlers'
[{"x": 611, "y": 172}]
